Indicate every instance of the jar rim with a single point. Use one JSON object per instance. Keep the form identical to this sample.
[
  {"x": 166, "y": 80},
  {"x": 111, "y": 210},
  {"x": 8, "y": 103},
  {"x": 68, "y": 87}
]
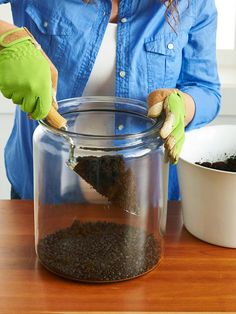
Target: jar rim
[{"x": 137, "y": 104}]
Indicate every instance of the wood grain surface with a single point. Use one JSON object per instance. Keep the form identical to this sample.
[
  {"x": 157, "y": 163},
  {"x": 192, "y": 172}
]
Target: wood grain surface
[{"x": 193, "y": 276}]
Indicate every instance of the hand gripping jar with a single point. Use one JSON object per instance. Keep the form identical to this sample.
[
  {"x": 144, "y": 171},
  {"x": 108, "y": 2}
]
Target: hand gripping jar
[{"x": 100, "y": 191}]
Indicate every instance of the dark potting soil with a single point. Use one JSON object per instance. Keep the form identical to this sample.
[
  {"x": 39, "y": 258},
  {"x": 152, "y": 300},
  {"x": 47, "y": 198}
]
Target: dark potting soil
[
  {"x": 100, "y": 251},
  {"x": 109, "y": 176},
  {"x": 227, "y": 165}
]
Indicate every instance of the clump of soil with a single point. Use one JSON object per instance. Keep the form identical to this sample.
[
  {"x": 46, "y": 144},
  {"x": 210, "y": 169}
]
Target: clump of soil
[
  {"x": 227, "y": 165},
  {"x": 109, "y": 176},
  {"x": 99, "y": 251}
]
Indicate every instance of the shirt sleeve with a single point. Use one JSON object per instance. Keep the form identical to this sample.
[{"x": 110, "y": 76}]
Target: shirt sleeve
[{"x": 199, "y": 76}]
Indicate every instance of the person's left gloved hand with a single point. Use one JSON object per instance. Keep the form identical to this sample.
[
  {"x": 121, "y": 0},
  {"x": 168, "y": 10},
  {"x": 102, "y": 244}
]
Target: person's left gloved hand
[{"x": 170, "y": 101}]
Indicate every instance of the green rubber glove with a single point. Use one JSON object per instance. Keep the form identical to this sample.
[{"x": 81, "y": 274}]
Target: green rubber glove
[
  {"x": 25, "y": 78},
  {"x": 172, "y": 131}
]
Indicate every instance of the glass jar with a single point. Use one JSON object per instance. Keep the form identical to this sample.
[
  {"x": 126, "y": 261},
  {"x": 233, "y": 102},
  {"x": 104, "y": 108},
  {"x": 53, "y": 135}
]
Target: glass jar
[{"x": 100, "y": 191}]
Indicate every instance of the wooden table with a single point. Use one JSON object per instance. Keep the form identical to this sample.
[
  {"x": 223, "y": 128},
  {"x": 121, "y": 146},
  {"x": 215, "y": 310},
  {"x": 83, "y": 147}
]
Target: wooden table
[{"x": 193, "y": 276}]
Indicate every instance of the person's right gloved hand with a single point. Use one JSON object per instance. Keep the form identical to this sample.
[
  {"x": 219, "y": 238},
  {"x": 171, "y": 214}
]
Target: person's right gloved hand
[{"x": 26, "y": 78}]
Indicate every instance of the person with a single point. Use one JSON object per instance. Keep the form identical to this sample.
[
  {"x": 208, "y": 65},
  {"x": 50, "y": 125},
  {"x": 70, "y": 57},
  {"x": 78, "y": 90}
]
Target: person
[{"x": 160, "y": 51}]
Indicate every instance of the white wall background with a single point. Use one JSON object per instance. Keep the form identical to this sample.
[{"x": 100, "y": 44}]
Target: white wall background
[{"x": 227, "y": 115}]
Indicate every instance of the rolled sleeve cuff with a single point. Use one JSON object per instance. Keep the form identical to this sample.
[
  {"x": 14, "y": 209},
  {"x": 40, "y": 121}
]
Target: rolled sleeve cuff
[{"x": 207, "y": 105}]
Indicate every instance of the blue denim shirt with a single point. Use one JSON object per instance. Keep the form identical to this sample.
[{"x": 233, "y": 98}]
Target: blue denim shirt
[{"x": 150, "y": 55}]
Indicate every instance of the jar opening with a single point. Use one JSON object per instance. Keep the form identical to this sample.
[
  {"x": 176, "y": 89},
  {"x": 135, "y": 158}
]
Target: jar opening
[{"x": 105, "y": 118}]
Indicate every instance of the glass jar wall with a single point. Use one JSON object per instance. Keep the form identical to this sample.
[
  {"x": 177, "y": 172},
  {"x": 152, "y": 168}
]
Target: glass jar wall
[{"x": 100, "y": 191}]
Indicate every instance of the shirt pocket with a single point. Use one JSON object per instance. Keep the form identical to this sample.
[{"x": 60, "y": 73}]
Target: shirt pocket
[
  {"x": 164, "y": 59},
  {"x": 51, "y": 30}
]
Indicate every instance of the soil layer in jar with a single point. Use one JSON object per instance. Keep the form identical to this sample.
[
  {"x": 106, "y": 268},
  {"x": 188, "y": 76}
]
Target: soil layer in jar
[{"x": 99, "y": 251}]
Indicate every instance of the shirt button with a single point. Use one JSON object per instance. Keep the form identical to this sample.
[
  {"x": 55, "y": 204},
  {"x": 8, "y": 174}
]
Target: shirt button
[
  {"x": 123, "y": 20},
  {"x": 122, "y": 73},
  {"x": 45, "y": 24},
  {"x": 170, "y": 46},
  {"x": 120, "y": 127}
]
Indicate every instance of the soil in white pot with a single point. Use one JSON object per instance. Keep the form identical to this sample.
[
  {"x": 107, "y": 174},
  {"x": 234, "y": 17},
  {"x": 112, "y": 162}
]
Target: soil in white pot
[{"x": 228, "y": 164}]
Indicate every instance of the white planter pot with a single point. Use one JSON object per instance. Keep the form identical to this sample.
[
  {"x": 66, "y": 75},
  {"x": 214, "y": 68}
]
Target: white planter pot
[{"x": 208, "y": 195}]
